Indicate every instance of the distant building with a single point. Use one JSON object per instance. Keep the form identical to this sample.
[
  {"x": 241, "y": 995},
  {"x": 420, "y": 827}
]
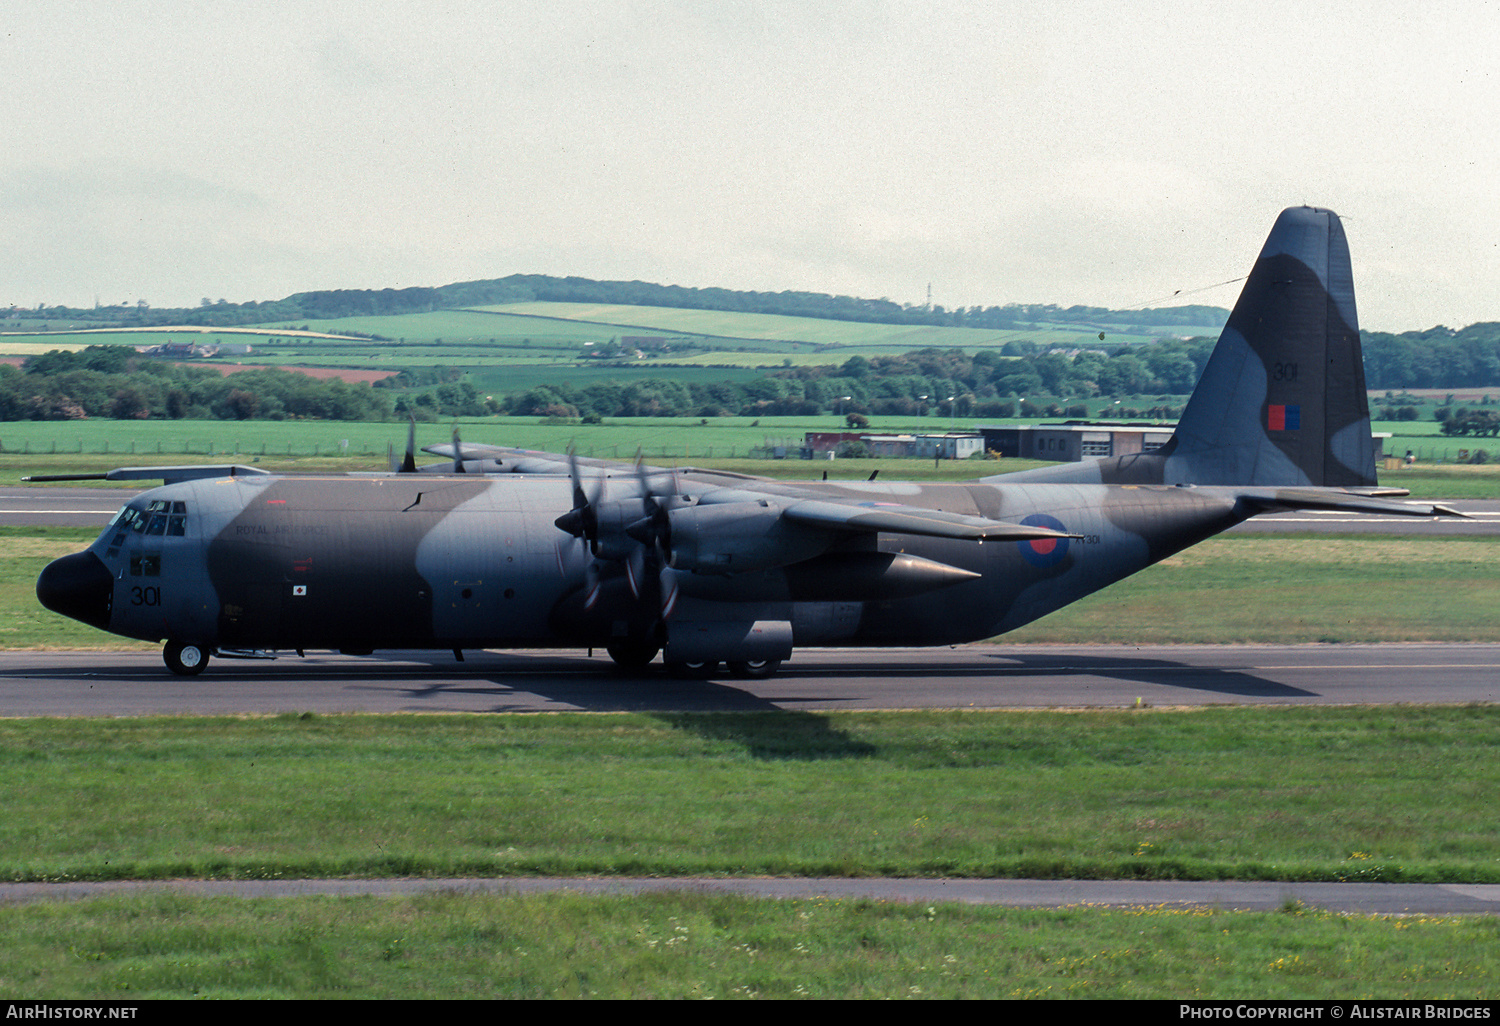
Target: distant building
[
  {"x": 955, "y": 445},
  {"x": 175, "y": 351},
  {"x": 829, "y": 441},
  {"x": 1074, "y": 441},
  {"x": 890, "y": 445},
  {"x": 949, "y": 446}
]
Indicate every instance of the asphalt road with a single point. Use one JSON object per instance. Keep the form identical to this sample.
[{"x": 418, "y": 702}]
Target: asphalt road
[
  {"x": 814, "y": 680},
  {"x": 1226, "y": 895}
]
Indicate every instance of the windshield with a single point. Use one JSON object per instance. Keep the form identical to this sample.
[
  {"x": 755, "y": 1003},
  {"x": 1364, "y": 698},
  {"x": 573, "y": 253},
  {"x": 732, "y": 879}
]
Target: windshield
[{"x": 158, "y": 517}]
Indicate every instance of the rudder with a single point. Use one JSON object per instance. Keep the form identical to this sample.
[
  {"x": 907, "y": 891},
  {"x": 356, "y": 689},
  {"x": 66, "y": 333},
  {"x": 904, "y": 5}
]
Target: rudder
[{"x": 1282, "y": 400}]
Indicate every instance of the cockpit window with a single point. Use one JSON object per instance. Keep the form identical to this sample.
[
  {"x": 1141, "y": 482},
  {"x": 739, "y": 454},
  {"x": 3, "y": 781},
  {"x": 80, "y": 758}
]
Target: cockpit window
[{"x": 161, "y": 517}]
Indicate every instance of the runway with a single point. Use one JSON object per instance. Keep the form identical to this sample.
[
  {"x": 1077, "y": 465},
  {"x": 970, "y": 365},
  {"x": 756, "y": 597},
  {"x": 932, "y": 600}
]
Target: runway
[
  {"x": 1223, "y": 895},
  {"x": 814, "y": 680}
]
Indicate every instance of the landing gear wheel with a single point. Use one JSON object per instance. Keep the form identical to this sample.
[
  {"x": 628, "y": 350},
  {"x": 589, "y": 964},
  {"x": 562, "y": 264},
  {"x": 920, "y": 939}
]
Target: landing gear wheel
[
  {"x": 694, "y": 671},
  {"x": 183, "y": 659},
  {"x": 755, "y": 669},
  {"x": 632, "y": 656}
]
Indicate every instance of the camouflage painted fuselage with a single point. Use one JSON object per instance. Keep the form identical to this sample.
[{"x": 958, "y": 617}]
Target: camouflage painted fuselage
[{"x": 477, "y": 562}]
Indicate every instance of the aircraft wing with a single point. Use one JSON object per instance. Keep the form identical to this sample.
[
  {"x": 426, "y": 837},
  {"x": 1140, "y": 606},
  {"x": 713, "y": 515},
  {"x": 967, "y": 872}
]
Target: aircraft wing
[
  {"x": 502, "y": 459},
  {"x": 898, "y": 519},
  {"x": 167, "y": 475}
]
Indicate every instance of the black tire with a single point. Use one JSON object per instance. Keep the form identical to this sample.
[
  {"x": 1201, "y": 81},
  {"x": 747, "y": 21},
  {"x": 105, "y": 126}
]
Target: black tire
[
  {"x": 185, "y": 659},
  {"x": 632, "y": 656},
  {"x": 755, "y": 669},
  {"x": 694, "y": 671}
]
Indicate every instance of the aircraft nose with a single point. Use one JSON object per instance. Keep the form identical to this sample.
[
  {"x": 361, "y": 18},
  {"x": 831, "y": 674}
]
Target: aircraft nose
[{"x": 79, "y": 586}]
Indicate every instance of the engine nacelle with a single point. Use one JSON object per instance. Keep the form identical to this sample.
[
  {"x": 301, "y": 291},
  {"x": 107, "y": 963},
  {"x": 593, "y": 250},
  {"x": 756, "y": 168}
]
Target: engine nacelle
[{"x": 740, "y": 537}]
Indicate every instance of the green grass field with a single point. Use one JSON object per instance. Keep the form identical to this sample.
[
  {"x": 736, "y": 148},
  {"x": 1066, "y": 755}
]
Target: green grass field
[
  {"x": 815, "y": 330},
  {"x": 1258, "y": 793},
  {"x": 1264, "y": 793},
  {"x": 686, "y": 946}
]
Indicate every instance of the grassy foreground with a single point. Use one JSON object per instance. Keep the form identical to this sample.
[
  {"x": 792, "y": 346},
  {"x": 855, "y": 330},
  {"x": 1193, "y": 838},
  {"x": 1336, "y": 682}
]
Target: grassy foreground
[
  {"x": 693, "y": 946},
  {"x": 1379, "y": 794},
  {"x": 1286, "y": 793}
]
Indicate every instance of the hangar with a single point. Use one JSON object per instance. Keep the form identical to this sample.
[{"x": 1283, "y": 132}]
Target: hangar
[{"x": 1074, "y": 440}]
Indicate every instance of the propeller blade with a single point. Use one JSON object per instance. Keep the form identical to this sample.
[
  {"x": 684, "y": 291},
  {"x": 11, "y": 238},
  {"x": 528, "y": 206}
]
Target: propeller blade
[
  {"x": 668, "y": 591},
  {"x": 458, "y": 454},
  {"x": 635, "y": 569},
  {"x": 582, "y": 521},
  {"x": 409, "y": 462}
]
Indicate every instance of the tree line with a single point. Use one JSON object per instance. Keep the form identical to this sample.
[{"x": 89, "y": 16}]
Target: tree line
[
  {"x": 1439, "y": 357},
  {"x": 520, "y": 288},
  {"x": 1020, "y": 379},
  {"x": 945, "y": 381},
  {"x": 113, "y": 382}
]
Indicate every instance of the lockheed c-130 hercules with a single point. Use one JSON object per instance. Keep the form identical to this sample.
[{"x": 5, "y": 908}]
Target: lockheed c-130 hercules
[{"x": 504, "y": 548}]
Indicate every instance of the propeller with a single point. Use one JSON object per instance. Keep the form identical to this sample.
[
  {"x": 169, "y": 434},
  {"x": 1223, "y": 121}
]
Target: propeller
[
  {"x": 582, "y": 521},
  {"x": 649, "y": 565},
  {"x": 408, "y": 465},
  {"x": 458, "y": 453},
  {"x": 616, "y": 533}
]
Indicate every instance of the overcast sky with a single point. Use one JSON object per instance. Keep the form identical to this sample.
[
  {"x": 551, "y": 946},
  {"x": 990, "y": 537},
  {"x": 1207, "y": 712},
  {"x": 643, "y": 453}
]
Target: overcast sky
[{"x": 1062, "y": 152}]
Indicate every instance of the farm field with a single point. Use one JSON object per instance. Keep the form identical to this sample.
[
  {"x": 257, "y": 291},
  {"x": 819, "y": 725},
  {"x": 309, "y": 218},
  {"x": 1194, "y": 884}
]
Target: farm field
[
  {"x": 830, "y": 332},
  {"x": 551, "y": 325}
]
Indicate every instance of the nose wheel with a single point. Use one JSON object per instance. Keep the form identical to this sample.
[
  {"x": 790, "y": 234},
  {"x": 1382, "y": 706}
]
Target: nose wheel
[{"x": 185, "y": 659}]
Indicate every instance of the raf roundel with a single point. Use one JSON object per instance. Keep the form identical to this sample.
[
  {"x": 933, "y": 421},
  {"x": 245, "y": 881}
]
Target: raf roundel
[{"x": 1044, "y": 552}]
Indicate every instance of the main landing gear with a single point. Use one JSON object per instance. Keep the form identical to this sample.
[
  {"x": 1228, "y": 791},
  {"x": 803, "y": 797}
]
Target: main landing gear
[
  {"x": 755, "y": 669},
  {"x": 635, "y": 658},
  {"x": 185, "y": 659}
]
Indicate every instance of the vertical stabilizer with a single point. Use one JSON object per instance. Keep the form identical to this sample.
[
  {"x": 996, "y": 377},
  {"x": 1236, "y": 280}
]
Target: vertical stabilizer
[{"x": 1282, "y": 400}]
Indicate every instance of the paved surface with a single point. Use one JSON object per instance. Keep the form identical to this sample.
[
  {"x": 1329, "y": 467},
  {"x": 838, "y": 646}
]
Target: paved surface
[
  {"x": 968, "y": 677},
  {"x": 1373, "y": 899},
  {"x": 61, "y": 507}
]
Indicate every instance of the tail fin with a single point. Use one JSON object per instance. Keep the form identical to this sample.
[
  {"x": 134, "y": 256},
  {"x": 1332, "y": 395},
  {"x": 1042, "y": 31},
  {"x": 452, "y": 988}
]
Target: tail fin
[{"x": 1282, "y": 401}]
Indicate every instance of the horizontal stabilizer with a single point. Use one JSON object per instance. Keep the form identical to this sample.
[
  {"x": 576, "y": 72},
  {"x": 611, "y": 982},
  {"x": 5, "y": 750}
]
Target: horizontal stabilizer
[{"x": 1280, "y": 500}]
